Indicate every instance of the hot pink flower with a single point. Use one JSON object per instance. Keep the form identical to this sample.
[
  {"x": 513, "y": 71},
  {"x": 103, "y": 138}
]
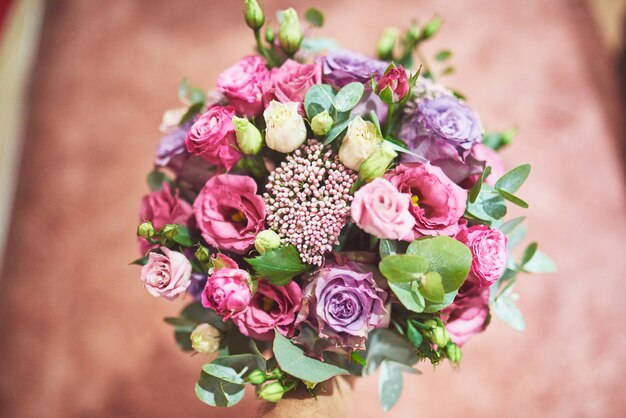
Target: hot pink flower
[
  {"x": 397, "y": 81},
  {"x": 468, "y": 315},
  {"x": 271, "y": 307},
  {"x": 212, "y": 137},
  {"x": 227, "y": 291},
  {"x": 229, "y": 213},
  {"x": 488, "y": 253},
  {"x": 291, "y": 81},
  {"x": 380, "y": 209},
  {"x": 437, "y": 203},
  {"x": 162, "y": 207},
  {"x": 167, "y": 274},
  {"x": 243, "y": 85}
]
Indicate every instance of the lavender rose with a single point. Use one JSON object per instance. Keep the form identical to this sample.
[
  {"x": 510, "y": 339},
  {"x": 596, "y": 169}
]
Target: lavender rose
[
  {"x": 343, "y": 67},
  {"x": 469, "y": 313},
  {"x": 172, "y": 151},
  {"x": 488, "y": 253},
  {"x": 166, "y": 274}
]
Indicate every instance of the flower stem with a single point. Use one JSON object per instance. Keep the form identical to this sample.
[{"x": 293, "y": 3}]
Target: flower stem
[
  {"x": 389, "y": 120},
  {"x": 262, "y": 49}
]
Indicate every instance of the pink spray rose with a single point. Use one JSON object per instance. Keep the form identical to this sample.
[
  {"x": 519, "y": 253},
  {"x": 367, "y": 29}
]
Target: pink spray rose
[
  {"x": 162, "y": 207},
  {"x": 398, "y": 82},
  {"x": 271, "y": 307},
  {"x": 380, "y": 209},
  {"x": 229, "y": 213},
  {"x": 468, "y": 315},
  {"x": 227, "y": 291},
  {"x": 212, "y": 137},
  {"x": 243, "y": 85},
  {"x": 291, "y": 81},
  {"x": 167, "y": 274},
  {"x": 488, "y": 253},
  {"x": 437, "y": 203},
  {"x": 481, "y": 152}
]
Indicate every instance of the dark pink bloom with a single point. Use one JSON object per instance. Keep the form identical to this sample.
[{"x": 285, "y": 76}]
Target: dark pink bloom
[
  {"x": 271, "y": 307},
  {"x": 229, "y": 213},
  {"x": 397, "y": 81},
  {"x": 291, "y": 81},
  {"x": 489, "y": 253},
  {"x": 227, "y": 291},
  {"x": 243, "y": 85},
  {"x": 469, "y": 313}
]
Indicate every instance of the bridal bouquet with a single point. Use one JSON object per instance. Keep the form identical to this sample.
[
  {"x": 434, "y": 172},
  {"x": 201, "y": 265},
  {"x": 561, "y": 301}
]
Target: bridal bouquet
[{"x": 325, "y": 213}]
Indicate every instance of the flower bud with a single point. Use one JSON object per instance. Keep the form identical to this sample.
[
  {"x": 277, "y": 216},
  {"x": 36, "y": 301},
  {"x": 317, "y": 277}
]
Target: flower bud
[
  {"x": 290, "y": 34},
  {"x": 272, "y": 392},
  {"x": 386, "y": 43},
  {"x": 321, "y": 123},
  {"x": 202, "y": 254},
  {"x": 170, "y": 231},
  {"x": 362, "y": 140},
  {"x": 249, "y": 137},
  {"x": 437, "y": 334},
  {"x": 393, "y": 86},
  {"x": 377, "y": 164},
  {"x": 254, "y": 15},
  {"x": 285, "y": 129},
  {"x": 256, "y": 377},
  {"x": 266, "y": 240},
  {"x": 205, "y": 339},
  {"x": 269, "y": 35},
  {"x": 454, "y": 353},
  {"x": 145, "y": 230}
]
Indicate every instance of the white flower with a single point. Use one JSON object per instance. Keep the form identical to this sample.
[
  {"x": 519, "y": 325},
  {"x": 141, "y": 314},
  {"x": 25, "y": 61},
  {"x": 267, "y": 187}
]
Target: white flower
[
  {"x": 361, "y": 141},
  {"x": 171, "y": 118},
  {"x": 285, "y": 128}
]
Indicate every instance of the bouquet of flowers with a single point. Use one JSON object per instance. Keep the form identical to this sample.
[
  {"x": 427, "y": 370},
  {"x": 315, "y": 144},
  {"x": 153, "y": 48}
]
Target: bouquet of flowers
[{"x": 324, "y": 213}]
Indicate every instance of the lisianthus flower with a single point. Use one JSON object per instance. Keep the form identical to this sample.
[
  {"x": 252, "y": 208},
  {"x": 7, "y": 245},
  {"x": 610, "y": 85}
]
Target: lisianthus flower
[{"x": 243, "y": 85}]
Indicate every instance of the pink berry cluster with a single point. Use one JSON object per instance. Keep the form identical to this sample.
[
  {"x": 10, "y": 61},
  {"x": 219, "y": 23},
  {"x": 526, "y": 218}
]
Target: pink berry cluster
[{"x": 308, "y": 200}]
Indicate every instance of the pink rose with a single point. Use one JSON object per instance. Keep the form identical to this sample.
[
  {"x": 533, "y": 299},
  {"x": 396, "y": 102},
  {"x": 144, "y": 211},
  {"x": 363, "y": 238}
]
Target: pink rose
[
  {"x": 229, "y": 213},
  {"x": 162, "y": 207},
  {"x": 227, "y": 291},
  {"x": 291, "y": 81},
  {"x": 243, "y": 85},
  {"x": 437, "y": 203},
  {"x": 481, "y": 152},
  {"x": 212, "y": 137},
  {"x": 379, "y": 209},
  {"x": 489, "y": 253},
  {"x": 271, "y": 307},
  {"x": 398, "y": 82},
  {"x": 468, "y": 314},
  {"x": 167, "y": 274}
]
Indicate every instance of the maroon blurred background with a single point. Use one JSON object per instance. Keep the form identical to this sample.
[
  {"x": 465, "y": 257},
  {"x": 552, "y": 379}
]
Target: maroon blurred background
[{"x": 79, "y": 336}]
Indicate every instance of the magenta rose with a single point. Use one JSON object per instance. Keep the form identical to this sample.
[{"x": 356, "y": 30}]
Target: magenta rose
[
  {"x": 227, "y": 291},
  {"x": 468, "y": 315},
  {"x": 243, "y": 85},
  {"x": 398, "y": 82},
  {"x": 272, "y": 307},
  {"x": 229, "y": 213},
  {"x": 212, "y": 137},
  {"x": 291, "y": 81},
  {"x": 162, "y": 207},
  {"x": 380, "y": 209},
  {"x": 437, "y": 203},
  {"x": 489, "y": 253},
  {"x": 166, "y": 274}
]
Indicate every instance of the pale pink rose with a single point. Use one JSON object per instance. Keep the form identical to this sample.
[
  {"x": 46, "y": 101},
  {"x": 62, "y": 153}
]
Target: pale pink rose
[
  {"x": 243, "y": 85},
  {"x": 489, "y": 253},
  {"x": 167, "y": 274},
  {"x": 380, "y": 209},
  {"x": 481, "y": 152},
  {"x": 229, "y": 213},
  {"x": 468, "y": 315},
  {"x": 227, "y": 291},
  {"x": 162, "y": 207},
  {"x": 272, "y": 307},
  {"x": 436, "y": 202},
  {"x": 212, "y": 137},
  {"x": 291, "y": 81}
]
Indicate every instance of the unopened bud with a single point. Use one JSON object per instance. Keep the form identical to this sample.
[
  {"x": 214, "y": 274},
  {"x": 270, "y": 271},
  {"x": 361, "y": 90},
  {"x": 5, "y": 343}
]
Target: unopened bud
[
  {"x": 393, "y": 86},
  {"x": 437, "y": 334},
  {"x": 256, "y": 377},
  {"x": 170, "y": 231},
  {"x": 202, "y": 254},
  {"x": 387, "y": 43},
  {"x": 377, "y": 164},
  {"x": 321, "y": 123},
  {"x": 290, "y": 34},
  {"x": 254, "y": 14},
  {"x": 269, "y": 35},
  {"x": 205, "y": 339},
  {"x": 249, "y": 137},
  {"x": 272, "y": 392},
  {"x": 454, "y": 353},
  {"x": 266, "y": 240},
  {"x": 145, "y": 230}
]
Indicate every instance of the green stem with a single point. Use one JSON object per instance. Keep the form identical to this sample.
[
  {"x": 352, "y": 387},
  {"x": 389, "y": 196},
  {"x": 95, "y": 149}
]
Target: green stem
[
  {"x": 389, "y": 121},
  {"x": 424, "y": 62},
  {"x": 262, "y": 49}
]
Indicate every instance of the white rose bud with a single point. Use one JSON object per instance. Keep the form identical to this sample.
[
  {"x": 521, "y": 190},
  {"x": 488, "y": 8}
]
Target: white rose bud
[
  {"x": 285, "y": 128},
  {"x": 205, "y": 339},
  {"x": 361, "y": 141}
]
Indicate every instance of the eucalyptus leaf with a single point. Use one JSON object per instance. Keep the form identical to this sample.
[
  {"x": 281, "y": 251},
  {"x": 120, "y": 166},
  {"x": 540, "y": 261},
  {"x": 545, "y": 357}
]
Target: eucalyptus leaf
[
  {"x": 540, "y": 263},
  {"x": 432, "y": 289},
  {"x": 315, "y": 45},
  {"x": 409, "y": 296},
  {"x": 505, "y": 308},
  {"x": 182, "y": 236},
  {"x": 314, "y": 17},
  {"x": 512, "y": 198},
  {"x": 475, "y": 190},
  {"x": 390, "y": 382},
  {"x": 516, "y": 236},
  {"x": 443, "y": 55},
  {"x": 415, "y": 337},
  {"x": 512, "y": 180},
  {"x": 448, "y": 298},
  {"x": 224, "y": 373},
  {"x": 337, "y": 130},
  {"x": 156, "y": 179},
  {"x": 529, "y": 253},
  {"x": 216, "y": 392},
  {"x": 511, "y": 224},
  {"x": 402, "y": 268},
  {"x": 279, "y": 265},
  {"x": 349, "y": 96},
  {"x": 241, "y": 362},
  {"x": 318, "y": 98},
  {"x": 384, "y": 344},
  {"x": 489, "y": 206}
]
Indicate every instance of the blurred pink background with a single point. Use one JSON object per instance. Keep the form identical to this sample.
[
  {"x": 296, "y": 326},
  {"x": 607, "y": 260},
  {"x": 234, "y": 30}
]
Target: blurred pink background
[{"x": 79, "y": 335}]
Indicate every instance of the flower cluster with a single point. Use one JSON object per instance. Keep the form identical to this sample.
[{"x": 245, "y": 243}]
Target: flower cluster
[{"x": 312, "y": 201}]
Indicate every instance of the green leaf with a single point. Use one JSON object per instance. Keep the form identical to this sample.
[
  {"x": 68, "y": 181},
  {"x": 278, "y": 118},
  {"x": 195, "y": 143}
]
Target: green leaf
[
  {"x": 140, "y": 261},
  {"x": 505, "y": 308},
  {"x": 390, "y": 382},
  {"x": 356, "y": 357},
  {"x": 320, "y": 97},
  {"x": 223, "y": 373},
  {"x": 447, "y": 301},
  {"x": 516, "y": 236},
  {"x": 336, "y": 131},
  {"x": 475, "y": 190},
  {"x": 216, "y": 392},
  {"x": 432, "y": 289},
  {"x": 182, "y": 89},
  {"x": 443, "y": 55},
  {"x": 349, "y": 96},
  {"x": 512, "y": 198},
  {"x": 448, "y": 70},
  {"x": 192, "y": 315},
  {"x": 446, "y": 256},
  {"x": 193, "y": 109},
  {"x": 315, "y": 45},
  {"x": 431, "y": 27},
  {"x": 409, "y": 295},
  {"x": 182, "y": 236},
  {"x": 529, "y": 253},
  {"x": 512, "y": 181},
  {"x": 243, "y": 364},
  {"x": 384, "y": 344},
  {"x": 415, "y": 337},
  {"x": 540, "y": 263},
  {"x": 314, "y": 17},
  {"x": 489, "y": 206},
  {"x": 292, "y": 360},
  {"x": 155, "y": 180},
  {"x": 402, "y": 268},
  {"x": 391, "y": 247},
  {"x": 510, "y": 225},
  {"x": 279, "y": 265}
]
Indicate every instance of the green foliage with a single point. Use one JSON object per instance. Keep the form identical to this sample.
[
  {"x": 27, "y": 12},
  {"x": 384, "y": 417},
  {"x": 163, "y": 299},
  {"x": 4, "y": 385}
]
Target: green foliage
[
  {"x": 314, "y": 17},
  {"x": 414, "y": 336},
  {"x": 390, "y": 382},
  {"x": 279, "y": 265},
  {"x": 409, "y": 295},
  {"x": 191, "y": 316},
  {"x": 497, "y": 140},
  {"x": 505, "y": 308},
  {"x": 432, "y": 289},
  {"x": 512, "y": 198},
  {"x": 431, "y": 27},
  {"x": 214, "y": 391},
  {"x": 539, "y": 263},
  {"x": 443, "y": 55},
  {"x": 337, "y": 130},
  {"x": 385, "y": 344},
  {"x": 403, "y": 268},
  {"x": 182, "y": 236},
  {"x": 156, "y": 179},
  {"x": 511, "y": 224},
  {"x": 513, "y": 180},
  {"x": 489, "y": 206},
  {"x": 293, "y": 361},
  {"x": 475, "y": 190},
  {"x": 318, "y": 98},
  {"x": 349, "y": 96}
]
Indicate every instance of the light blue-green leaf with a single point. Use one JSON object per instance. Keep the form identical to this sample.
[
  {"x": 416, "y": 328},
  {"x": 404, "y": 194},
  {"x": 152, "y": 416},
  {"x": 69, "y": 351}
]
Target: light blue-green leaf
[
  {"x": 384, "y": 344},
  {"x": 215, "y": 392},
  {"x": 320, "y": 97},
  {"x": 505, "y": 308},
  {"x": 512, "y": 198},
  {"x": 349, "y": 96},
  {"x": 540, "y": 263},
  {"x": 390, "y": 382},
  {"x": 402, "y": 268},
  {"x": 314, "y": 45},
  {"x": 337, "y": 130},
  {"x": 279, "y": 265},
  {"x": 408, "y": 295},
  {"x": 513, "y": 180},
  {"x": 516, "y": 236},
  {"x": 489, "y": 206},
  {"x": 448, "y": 298},
  {"x": 241, "y": 362},
  {"x": 390, "y": 247},
  {"x": 511, "y": 224},
  {"x": 529, "y": 253},
  {"x": 223, "y": 373}
]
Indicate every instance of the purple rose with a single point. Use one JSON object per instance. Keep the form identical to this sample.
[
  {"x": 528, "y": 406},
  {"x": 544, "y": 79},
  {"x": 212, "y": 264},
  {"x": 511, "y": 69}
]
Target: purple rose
[
  {"x": 343, "y": 304},
  {"x": 343, "y": 66},
  {"x": 198, "y": 282},
  {"x": 172, "y": 151}
]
